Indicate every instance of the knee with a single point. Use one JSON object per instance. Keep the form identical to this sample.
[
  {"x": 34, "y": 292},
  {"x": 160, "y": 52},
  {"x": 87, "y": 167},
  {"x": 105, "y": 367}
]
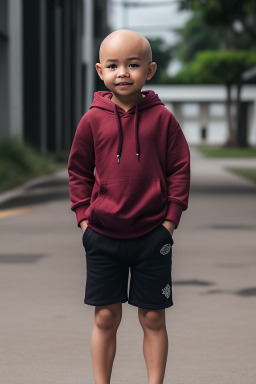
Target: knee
[
  {"x": 107, "y": 319},
  {"x": 152, "y": 319}
]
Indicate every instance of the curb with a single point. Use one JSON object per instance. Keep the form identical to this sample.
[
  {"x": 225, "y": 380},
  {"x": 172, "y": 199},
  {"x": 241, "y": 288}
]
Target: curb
[{"x": 17, "y": 191}]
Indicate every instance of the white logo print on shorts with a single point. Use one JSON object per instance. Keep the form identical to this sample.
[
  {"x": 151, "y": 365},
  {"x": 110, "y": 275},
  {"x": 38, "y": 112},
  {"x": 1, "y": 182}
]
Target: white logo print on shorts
[
  {"x": 166, "y": 291},
  {"x": 165, "y": 249}
]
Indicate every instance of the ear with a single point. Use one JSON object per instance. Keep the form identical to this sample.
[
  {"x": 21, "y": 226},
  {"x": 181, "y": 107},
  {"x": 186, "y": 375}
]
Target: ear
[
  {"x": 99, "y": 70},
  {"x": 151, "y": 70}
]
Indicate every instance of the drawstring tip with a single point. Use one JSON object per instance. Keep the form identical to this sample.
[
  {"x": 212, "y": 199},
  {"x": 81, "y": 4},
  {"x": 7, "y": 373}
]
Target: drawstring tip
[
  {"x": 118, "y": 160},
  {"x": 138, "y": 156}
]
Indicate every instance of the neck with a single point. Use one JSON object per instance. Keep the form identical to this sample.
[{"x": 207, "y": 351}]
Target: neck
[{"x": 127, "y": 103}]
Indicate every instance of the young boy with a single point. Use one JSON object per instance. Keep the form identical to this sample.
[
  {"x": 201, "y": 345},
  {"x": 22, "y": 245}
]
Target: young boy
[{"x": 129, "y": 208}]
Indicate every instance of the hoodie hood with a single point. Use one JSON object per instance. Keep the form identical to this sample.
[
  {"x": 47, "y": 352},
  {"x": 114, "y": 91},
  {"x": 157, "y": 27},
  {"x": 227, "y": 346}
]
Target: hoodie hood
[{"x": 102, "y": 100}]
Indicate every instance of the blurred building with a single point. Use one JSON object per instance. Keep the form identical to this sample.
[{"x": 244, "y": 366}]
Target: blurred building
[
  {"x": 202, "y": 111},
  {"x": 48, "y": 49}
]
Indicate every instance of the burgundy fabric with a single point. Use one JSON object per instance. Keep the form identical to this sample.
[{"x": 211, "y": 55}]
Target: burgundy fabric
[{"x": 128, "y": 171}]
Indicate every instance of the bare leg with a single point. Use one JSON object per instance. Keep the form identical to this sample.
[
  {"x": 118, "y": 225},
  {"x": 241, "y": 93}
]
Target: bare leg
[
  {"x": 155, "y": 343},
  {"x": 103, "y": 341}
]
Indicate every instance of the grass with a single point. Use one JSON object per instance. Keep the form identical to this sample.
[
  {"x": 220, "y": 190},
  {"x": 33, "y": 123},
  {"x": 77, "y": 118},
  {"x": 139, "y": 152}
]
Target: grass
[
  {"x": 21, "y": 162},
  {"x": 248, "y": 173},
  {"x": 226, "y": 151}
]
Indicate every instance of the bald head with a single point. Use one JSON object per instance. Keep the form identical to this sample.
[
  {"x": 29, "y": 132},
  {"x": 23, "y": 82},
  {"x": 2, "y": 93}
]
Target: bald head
[
  {"x": 125, "y": 39},
  {"x": 125, "y": 54}
]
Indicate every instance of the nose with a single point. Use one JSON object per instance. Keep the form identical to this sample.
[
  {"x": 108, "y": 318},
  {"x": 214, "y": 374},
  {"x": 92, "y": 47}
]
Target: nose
[{"x": 123, "y": 72}]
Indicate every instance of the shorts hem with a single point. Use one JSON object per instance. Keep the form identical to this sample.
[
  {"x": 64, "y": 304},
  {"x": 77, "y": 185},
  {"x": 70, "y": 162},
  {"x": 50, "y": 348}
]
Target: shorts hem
[
  {"x": 149, "y": 306},
  {"x": 108, "y": 302}
]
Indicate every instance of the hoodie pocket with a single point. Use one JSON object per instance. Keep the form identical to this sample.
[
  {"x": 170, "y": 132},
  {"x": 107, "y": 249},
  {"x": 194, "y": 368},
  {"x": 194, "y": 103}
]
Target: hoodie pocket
[{"x": 124, "y": 202}]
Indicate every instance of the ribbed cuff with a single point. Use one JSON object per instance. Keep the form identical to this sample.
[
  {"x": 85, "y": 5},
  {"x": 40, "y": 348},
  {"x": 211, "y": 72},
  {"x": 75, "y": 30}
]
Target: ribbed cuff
[
  {"x": 80, "y": 213},
  {"x": 174, "y": 213}
]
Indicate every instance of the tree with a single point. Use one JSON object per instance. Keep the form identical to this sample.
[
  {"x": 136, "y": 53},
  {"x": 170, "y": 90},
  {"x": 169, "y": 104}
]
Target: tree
[
  {"x": 162, "y": 55},
  {"x": 219, "y": 67},
  {"x": 226, "y": 14},
  {"x": 235, "y": 20},
  {"x": 194, "y": 37}
]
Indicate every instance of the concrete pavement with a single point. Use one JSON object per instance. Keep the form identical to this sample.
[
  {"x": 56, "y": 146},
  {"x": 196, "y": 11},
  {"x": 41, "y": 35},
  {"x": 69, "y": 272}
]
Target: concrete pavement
[{"x": 46, "y": 329}]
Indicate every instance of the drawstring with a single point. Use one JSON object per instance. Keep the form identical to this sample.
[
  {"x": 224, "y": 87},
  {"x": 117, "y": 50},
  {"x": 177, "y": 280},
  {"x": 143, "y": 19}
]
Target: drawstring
[
  {"x": 136, "y": 131},
  {"x": 120, "y": 133}
]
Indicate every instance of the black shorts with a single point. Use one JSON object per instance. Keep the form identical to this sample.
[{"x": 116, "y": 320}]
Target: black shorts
[{"x": 108, "y": 261}]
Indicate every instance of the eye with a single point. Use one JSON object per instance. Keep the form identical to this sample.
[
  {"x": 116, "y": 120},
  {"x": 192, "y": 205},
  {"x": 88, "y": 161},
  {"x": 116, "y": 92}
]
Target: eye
[
  {"x": 111, "y": 66},
  {"x": 135, "y": 65}
]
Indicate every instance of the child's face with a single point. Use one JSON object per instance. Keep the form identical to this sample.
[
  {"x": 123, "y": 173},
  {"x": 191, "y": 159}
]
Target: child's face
[{"x": 125, "y": 61}]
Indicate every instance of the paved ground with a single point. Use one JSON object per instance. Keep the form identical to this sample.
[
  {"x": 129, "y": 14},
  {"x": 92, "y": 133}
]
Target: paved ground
[{"x": 45, "y": 327}]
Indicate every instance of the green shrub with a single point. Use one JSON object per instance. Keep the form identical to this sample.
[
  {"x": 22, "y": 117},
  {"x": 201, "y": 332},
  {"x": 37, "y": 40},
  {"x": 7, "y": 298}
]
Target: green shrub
[{"x": 21, "y": 162}]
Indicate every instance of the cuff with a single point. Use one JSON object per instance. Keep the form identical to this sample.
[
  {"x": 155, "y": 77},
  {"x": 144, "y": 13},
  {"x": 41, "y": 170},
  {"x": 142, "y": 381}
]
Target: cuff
[
  {"x": 174, "y": 213},
  {"x": 80, "y": 213}
]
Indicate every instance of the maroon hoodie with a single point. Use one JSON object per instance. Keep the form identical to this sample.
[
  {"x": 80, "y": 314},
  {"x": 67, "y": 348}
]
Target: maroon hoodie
[{"x": 142, "y": 167}]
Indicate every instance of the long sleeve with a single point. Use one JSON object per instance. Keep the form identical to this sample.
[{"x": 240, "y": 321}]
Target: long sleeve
[
  {"x": 81, "y": 165},
  {"x": 178, "y": 172}
]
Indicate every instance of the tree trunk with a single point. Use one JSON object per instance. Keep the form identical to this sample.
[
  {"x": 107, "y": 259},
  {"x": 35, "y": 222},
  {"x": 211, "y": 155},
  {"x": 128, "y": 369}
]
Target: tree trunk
[
  {"x": 242, "y": 119},
  {"x": 239, "y": 127},
  {"x": 232, "y": 139}
]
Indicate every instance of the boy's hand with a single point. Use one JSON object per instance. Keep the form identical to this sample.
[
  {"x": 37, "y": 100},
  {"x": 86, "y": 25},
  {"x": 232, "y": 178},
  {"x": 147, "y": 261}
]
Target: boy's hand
[
  {"x": 169, "y": 225},
  {"x": 83, "y": 225}
]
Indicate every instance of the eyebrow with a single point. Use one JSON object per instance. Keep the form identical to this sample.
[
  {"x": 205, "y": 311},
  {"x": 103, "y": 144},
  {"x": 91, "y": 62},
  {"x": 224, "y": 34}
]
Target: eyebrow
[{"x": 130, "y": 58}]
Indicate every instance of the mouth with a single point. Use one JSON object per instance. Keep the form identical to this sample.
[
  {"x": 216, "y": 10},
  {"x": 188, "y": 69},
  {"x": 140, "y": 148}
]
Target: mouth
[{"x": 123, "y": 84}]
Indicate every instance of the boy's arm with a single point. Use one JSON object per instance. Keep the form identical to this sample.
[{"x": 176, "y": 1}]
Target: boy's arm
[
  {"x": 178, "y": 172},
  {"x": 81, "y": 165}
]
